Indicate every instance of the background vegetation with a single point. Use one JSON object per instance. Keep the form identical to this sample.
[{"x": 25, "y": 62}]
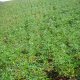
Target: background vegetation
[{"x": 39, "y": 36}]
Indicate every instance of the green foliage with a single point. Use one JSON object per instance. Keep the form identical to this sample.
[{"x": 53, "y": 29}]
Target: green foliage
[{"x": 39, "y": 35}]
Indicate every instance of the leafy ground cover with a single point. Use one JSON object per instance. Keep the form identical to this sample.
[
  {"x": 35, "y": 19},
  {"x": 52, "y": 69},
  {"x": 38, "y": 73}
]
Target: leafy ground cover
[{"x": 40, "y": 40}]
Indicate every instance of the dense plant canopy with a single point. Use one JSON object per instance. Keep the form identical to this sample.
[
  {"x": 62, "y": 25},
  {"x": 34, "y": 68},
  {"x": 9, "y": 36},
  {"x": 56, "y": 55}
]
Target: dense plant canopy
[{"x": 39, "y": 39}]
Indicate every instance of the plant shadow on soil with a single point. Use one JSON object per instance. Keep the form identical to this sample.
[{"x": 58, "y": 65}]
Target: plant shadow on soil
[{"x": 53, "y": 75}]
